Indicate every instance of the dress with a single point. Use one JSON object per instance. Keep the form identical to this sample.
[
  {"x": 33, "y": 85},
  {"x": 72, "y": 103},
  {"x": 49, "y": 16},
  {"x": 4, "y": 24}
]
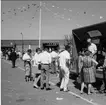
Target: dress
[{"x": 88, "y": 70}]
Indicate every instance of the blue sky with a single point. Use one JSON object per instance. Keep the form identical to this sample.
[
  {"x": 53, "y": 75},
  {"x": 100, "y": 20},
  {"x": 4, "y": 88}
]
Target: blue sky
[{"x": 58, "y": 18}]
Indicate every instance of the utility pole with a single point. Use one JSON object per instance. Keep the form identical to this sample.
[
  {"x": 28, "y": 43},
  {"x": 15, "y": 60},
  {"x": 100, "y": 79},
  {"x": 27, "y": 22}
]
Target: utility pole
[
  {"x": 40, "y": 11},
  {"x": 22, "y": 43}
]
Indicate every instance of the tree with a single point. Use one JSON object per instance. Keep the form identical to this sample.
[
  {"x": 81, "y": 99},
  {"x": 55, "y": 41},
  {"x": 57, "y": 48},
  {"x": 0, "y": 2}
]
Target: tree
[{"x": 68, "y": 40}]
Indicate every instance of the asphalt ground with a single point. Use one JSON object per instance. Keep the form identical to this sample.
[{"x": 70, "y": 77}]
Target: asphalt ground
[{"x": 15, "y": 91}]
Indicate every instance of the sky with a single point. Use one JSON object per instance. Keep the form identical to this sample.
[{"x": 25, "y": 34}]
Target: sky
[{"x": 58, "y": 18}]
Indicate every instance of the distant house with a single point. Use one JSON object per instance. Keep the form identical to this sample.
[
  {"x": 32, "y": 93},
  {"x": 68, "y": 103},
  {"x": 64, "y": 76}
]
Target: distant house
[{"x": 33, "y": 43}]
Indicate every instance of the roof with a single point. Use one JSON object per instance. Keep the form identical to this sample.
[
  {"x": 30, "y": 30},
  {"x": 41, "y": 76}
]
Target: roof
[
  {"x": 6, "y": 46},
  {"x": 80, "y": 32}
]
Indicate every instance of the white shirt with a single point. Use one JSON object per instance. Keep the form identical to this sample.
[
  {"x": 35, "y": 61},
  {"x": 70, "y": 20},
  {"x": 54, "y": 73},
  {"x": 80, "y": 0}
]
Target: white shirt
[
  {"x": 53, "y": 54},
  {"x": 36, "y": 58},
  {"x": 26, "y": 57},
  {"x": 45, "y": 58},
  {"x": 63, "y": 56},
  {"x": 92, "y": 48}
]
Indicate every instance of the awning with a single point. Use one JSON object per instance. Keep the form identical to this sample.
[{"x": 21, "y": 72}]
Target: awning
[{"x": 93, "y": 30}]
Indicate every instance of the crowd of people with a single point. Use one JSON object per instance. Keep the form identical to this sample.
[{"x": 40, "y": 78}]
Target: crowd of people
[
  {"x": 58, "y": 62},
  {"x": 88, "y": 65}
]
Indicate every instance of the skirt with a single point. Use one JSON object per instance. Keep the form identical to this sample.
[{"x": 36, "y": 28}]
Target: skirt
[{"x": 89, "y": 75}]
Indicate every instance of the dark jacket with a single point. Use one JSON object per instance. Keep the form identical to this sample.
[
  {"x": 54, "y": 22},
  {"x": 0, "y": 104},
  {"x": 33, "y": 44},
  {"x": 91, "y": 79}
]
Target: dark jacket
[{"x": 13, "y": 56}]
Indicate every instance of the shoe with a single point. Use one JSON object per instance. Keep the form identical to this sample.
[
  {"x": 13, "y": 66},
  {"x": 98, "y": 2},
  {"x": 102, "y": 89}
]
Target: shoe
[
  {"x": 42, "y": 88},
  {"x": 61, "y": 89},
  {"x": 66, "y": 90},
  {"x": 48, "y": 88},
  {"x": 81, "y": 92},
  {"x": 35, "y": 87},
  {"x": 89, "y": 93}
]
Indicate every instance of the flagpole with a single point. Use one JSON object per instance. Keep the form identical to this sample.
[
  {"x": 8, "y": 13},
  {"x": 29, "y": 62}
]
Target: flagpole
[{"x": 40, "y": 25}]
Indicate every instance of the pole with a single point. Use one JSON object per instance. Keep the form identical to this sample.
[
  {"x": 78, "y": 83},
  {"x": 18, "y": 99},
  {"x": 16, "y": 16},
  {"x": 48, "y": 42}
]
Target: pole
[
  {"x": 22, "y": 43},
  {"x": 40, "y": 25}
]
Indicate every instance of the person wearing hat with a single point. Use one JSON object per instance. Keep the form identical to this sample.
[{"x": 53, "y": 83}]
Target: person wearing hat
[
  {"x": 88, "y": 64},
  {"x": 13, "y": 57}
]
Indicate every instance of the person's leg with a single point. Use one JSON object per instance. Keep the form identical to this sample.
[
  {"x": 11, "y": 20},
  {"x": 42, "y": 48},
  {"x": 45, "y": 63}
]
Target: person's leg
[
  {"x": 89, "y": 88},
  {"x": 82, "y": 87},
  {"x": 62, "y": 80},
  {"x": 12, "y": 63},
  {"x": 104, "y": 78},
  {"x": 66, "y": 76},
  {"x": 31, "y": 76},
  {"x": 35, "y": 81},
  {"x": 47, "y": 79},
  {"x": 42, "y": 79},
  {"x": 62, "y": 83},
  {"x": 60, "y": 76},
  {"x": 54, "y": 64}
]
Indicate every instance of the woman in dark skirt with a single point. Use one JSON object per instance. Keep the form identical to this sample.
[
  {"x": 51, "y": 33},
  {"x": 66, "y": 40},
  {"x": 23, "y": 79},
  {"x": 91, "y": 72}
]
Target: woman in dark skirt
[{"x": 88, "y": 69}]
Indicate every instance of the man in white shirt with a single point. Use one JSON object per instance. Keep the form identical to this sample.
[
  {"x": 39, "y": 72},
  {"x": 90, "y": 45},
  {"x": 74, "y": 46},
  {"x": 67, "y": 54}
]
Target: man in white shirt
[
  {"x": 36, "y": 71},
  {"x": 45, "y": 61},
  {"x": 92, "y": 47},
  {"x": 54, "y": 56},
  {"x": 64, "y": 62}
]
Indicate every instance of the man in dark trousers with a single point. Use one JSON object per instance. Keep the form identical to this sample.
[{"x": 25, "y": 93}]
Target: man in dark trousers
[{"x": 13, "y": 57}]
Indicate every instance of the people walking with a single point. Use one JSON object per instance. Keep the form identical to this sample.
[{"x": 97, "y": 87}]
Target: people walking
[
  {"x": 13, "y": 57},
  {"x": 27, "y": 65},
  {"x": 88, "y": 64},
  {"x": 37, "y": 68},
  {"x": 45, "y": 61},
  {"x": 54, "y": 56},
  {"x": 64, "y": 61}
]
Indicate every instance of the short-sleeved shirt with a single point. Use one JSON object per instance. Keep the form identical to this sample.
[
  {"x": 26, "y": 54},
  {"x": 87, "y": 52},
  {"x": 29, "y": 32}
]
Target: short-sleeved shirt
[
  {"x": 26, "y": 57},
  {"x": 92, "y": 48},
  {"x": 53, "y": 54},
  {"x": 45, "y": 58},
  {"x": 36, "y": 58},
  {"x": 63, "y": 57}
]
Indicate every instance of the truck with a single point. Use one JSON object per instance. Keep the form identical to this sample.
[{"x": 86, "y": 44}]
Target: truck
[{"x": 97, "y": 33}]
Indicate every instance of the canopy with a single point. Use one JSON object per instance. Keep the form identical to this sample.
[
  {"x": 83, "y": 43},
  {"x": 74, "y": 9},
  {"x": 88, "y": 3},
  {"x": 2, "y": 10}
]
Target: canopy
[
  {"x": 81, "y": 34},
  {"x": 99, "y": 28}
]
